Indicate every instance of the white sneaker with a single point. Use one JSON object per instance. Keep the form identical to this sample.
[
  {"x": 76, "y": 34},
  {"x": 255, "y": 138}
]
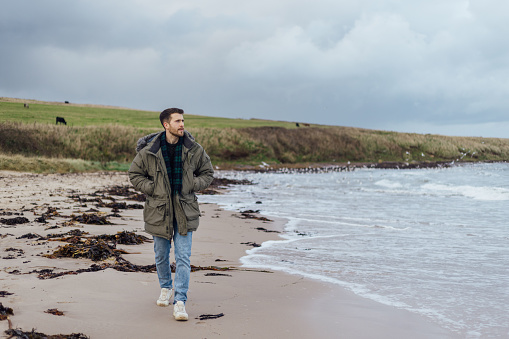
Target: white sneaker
[
  {"x": 179, "y": 311},
  {"x": 164, "y": 298}
]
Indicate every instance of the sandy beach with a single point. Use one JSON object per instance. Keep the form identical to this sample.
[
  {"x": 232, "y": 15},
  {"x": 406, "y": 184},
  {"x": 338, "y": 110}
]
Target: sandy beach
[{"x": 229, "y": 301}]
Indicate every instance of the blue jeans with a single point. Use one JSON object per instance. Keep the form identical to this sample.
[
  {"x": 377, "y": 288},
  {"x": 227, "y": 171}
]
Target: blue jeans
[{"x": 162, "y": 248}]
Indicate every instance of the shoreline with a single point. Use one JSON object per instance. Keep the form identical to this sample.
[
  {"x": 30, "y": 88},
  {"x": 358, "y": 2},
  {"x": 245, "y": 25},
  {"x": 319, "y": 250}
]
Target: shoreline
[
  {"x": 115, "y": 304},
  {"x": 346, "y": 167}
]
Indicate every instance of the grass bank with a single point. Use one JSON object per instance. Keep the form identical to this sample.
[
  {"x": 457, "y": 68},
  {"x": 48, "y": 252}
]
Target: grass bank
[
  {"x": 102, "y": 138},
  {"x": 88, "y": 148}
]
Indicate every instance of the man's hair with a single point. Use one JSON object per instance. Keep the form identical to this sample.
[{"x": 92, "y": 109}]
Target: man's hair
[{"x": 166, "y": 114}]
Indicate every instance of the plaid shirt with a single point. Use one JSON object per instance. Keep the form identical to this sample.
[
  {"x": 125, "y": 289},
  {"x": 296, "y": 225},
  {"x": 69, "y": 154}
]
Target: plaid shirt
[{"x": 173, "y": 166}]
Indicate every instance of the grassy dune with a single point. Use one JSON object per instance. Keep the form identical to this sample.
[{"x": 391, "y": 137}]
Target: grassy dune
[{"x": 103, "y": 138}]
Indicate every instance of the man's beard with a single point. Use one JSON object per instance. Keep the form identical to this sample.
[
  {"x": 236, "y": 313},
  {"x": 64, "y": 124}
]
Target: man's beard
[{"x": 176, "y": 134}]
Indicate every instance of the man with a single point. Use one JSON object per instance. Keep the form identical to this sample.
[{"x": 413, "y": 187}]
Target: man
[{"x": 170, "y": 168}]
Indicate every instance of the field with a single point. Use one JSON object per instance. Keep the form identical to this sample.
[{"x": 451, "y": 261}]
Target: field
[
  {"x": 103, "y": 138},
  {"x": 96, "y": 115}
]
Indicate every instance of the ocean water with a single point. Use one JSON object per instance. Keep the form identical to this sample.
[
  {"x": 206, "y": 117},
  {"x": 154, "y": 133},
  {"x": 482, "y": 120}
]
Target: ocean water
[{"x": 432, "y": 241}]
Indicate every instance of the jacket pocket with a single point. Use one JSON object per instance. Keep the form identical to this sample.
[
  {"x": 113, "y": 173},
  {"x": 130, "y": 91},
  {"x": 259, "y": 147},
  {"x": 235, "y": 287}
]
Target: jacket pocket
[
  {"x": 190, "y": 206},
  {"x": 154, "y": 212}
]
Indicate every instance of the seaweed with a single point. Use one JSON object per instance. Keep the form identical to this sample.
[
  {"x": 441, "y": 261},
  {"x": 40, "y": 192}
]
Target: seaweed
[
  {"x": 120, "y": 205},
  {"x": 126, "y": 266},
  {"x": 14, "y": 221},
  {"x": 49, "y": 214},
  {"x": 19, "y": 253},
  {"x": 62, "y": 237},
  {"x": 48, "y": 273},
  {"x": 251, "y": 244},
  {"x": 41, "y": 220},
  {"x": 19, "y": 333},
  {"x": 120, "y": 265},
  {"x": 250, "y": 211},
  {"x": 30, "y": 236},
  {"x": 124, "y": 191},
  {"x": 5, "y": 293},
  {"x": 91, "y": 219},
  {"x": 54, "y": 311},
  {"x": 12, "y": 249},
  {"x": 248, "y": 214},
  {"x": 94, "y": 249},
  {"x": 217, "y": 274},
  {"x": 5, "y": 312},
  {"x": 124, "y": 238},
  {"x": 205, "y": 268},
  {"x": 266, "y": 230},
  {"x": 210, "y": 316}
]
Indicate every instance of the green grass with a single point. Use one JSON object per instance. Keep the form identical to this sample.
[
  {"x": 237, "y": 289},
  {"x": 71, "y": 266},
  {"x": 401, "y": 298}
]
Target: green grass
[
  {"x": 104, "y": 138},
  {"x": 96, "y": 116}
]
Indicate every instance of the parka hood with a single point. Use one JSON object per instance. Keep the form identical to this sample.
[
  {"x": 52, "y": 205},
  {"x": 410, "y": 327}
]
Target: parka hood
[{"x": 144, "y": 141}]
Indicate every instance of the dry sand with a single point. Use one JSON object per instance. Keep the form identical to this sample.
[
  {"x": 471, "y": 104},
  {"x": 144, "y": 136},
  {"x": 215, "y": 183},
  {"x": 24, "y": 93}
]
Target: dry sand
[{"x": 115, "y": 304}]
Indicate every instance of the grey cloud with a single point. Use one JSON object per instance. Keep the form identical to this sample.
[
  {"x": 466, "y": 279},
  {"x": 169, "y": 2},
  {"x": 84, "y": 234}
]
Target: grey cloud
[{"x": 372, "y": 64}]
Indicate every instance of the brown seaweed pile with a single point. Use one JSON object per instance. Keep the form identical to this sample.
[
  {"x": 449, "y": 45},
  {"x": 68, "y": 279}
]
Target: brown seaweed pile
[
  {"x": 18, "y": 333},
  {"x": 90, "y": 248},
  {"x": 66, "y": 236},
  {"x": 54, "y": 311},
  {"x": 96, "y": 248},
  {"x": 5, "y": 312},
  {"x": 30, "y": 236},
  {"x": 91, "y": 219},
  {"x": 49, "y": 214},
  {"x": 14, "y": 221},
  {"x": 125, "y": 238}
]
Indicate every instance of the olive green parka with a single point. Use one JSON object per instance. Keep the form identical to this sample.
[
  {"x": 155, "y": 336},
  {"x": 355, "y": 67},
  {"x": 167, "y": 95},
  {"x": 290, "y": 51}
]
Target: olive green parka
[{"x": 148, "y": 175}]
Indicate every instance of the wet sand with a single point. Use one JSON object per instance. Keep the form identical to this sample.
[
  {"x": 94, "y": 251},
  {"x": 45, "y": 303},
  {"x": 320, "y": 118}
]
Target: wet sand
[{"x": 109, "y": 303}]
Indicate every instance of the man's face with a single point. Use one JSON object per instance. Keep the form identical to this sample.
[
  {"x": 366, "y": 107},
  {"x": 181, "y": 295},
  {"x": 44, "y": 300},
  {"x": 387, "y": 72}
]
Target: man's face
[{"x": 176, "y": 125}]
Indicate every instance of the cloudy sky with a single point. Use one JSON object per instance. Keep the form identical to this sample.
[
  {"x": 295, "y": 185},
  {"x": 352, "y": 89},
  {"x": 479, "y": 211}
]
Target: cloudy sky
[{"x": 425, "y": 66}]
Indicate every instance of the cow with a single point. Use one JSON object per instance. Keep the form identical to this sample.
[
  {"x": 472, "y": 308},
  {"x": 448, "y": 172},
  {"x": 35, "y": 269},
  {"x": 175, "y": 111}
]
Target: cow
[
  {"x": 307, "y": 125},
  {"x": 25, "y": 105},
  {"x": 67, "y": 102},
  {"x": 297, "y": 124},
  {"x": 61, "y": 120}
]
